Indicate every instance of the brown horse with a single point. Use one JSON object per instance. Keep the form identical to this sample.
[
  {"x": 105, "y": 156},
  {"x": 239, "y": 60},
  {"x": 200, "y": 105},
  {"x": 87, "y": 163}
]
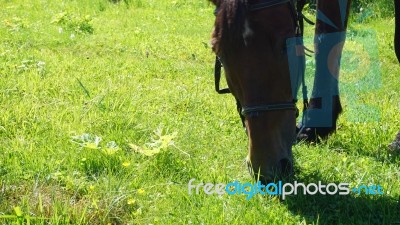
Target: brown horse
[{"x": 250, "y": 40}]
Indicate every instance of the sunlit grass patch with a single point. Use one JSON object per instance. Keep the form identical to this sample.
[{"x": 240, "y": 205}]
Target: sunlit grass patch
[{"x": 109, "y": 111}]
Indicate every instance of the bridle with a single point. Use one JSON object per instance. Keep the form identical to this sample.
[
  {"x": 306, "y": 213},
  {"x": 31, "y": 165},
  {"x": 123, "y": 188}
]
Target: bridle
[
  {"x": 266, "y": 4},
  {"x": 254, "y": 110}
]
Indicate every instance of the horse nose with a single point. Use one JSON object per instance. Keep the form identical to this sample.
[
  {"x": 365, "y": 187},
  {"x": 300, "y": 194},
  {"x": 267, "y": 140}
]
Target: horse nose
[{"x": 282, "y": 170}]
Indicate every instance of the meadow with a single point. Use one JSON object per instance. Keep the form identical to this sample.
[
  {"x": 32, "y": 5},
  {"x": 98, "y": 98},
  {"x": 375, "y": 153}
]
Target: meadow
[{"x": 108, "y": 109}]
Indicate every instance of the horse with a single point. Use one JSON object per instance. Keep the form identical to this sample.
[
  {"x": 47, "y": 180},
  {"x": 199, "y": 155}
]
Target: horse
[{"x": 250, "y": 40}]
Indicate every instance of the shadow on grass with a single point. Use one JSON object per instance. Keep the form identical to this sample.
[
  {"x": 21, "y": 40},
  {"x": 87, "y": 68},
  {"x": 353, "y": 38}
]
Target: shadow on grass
[
  {"x": 382, "y": 154},
  {"x": 345, "y": 209}
]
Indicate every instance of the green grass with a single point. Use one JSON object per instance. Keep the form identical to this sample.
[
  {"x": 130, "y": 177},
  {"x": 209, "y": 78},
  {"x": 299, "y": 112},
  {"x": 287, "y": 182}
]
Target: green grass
[{"x": 89, "y": 88}]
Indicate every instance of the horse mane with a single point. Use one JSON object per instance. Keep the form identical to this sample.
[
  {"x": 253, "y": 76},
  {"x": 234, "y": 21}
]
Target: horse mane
[{"x": 229, "y": 23}]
